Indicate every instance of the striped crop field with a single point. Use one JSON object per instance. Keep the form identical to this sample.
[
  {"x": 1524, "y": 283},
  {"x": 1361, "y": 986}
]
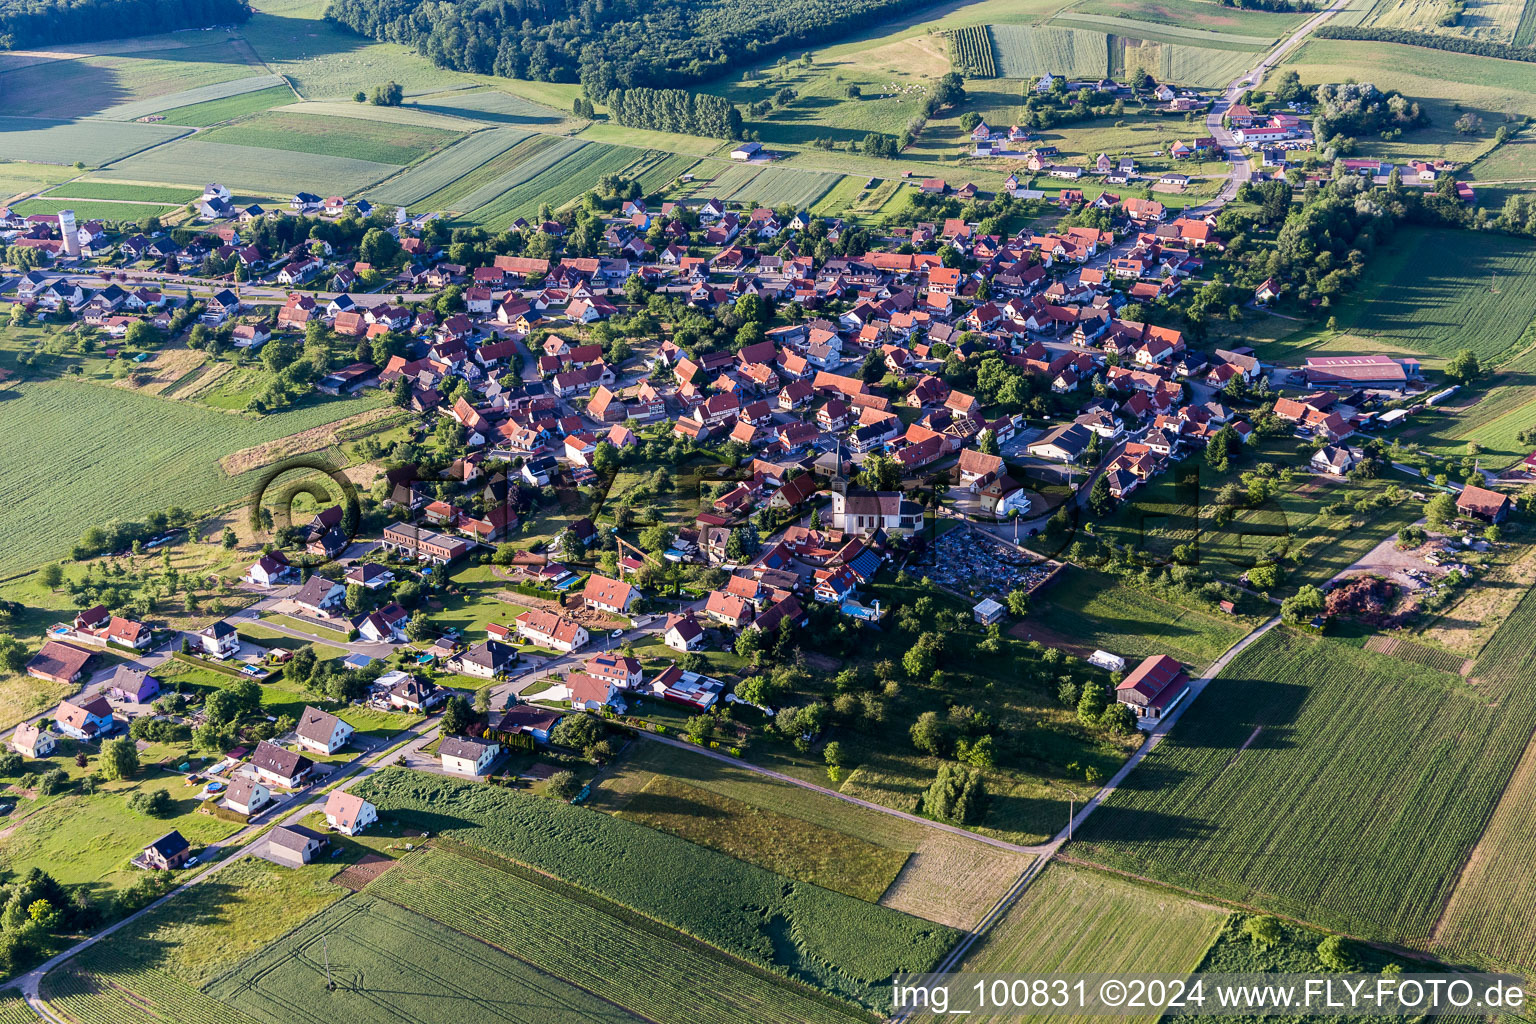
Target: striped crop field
[
  {"x": 768, "y": 185},
  {"x": 1491, "y": 917},
  {"x": 103, "y": 987},
  {"x": 971, "y": 50},
  {"x": 93, "y": 142},
  {"x": 1525, "y": 29},
  {"x": 1163, "y": 33},
  {"x": 1177, "y": 62},
  {"x": 1303, "y": 779},
  {"x": 250, "y": 171},
  {"x": 660, "y": 174},
  {"x": 390, "y": 964},
  {"x": 189, "y": 97},
  {"x": 93, "y": 210},
  {"x": 650, "y": 970},
  {"x": 572, "y": 176},
  {"x": 1073, "y": 920},
  {"x": 1195, "y": 16},
  {"x": 456, "y": 163},
  {"x": 348, "y": 138},
  {"x": 201, "y": 115},
  {"x": 1024, "y": 51},
  {"x": 528, "y": 158}
]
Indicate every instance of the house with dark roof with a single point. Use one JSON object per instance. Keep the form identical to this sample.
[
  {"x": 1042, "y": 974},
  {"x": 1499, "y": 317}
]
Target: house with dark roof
[
  {"x": 293, "y": 845},
  {"x": 522, "y": 720},
  {"x": 167, "y": 853},
  {"x": 279, "y": 766},
  {"x": 321, "y": 731},
  {"x": 462, "y": 755}
]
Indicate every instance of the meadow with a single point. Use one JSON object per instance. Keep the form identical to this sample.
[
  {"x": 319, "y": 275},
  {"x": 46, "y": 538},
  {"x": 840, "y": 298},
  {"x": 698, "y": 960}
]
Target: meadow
[
  {"x": 82, "y": 454},
  {"x": 943, "y": 877},
  {"x": 1169, "y": 32},
  {"x": 390, "y": 963},
  {"x": 200, "y": 96},
  {"x": 201, "y": 115},
  {"x": 263, "y": 172},
  {"x": 821, "y": 938},
  {"x": 493, "y": 106},
  {"x": 1071, "y": 920},
  {"x": 18, "y": 178},
  {"x": 346, "y": 138},
  {"x": 1300, "y": 782},
  {"x": 1097, "y": 612},
  {"x": 90, "y": 142},
  {"x": 658, "y": 974}
]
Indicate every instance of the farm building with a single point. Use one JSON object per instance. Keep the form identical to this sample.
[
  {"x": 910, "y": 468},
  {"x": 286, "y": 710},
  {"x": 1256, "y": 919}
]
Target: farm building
[
  {"x": 1153, "y": 687},
  {"x": 293, "y": 845},
  {"x": 1483, "y": 503}
]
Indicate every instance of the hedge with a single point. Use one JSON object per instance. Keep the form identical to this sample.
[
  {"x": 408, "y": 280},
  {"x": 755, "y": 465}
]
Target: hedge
[{"x": 1429, "y": 40}]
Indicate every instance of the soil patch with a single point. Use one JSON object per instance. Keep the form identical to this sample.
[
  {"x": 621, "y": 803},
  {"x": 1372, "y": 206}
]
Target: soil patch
[{"x": 369, "y": 867}]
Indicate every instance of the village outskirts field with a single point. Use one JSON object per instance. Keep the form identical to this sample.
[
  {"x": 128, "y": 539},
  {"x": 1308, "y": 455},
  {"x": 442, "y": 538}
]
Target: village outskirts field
[{"x": 686, "y": 888}]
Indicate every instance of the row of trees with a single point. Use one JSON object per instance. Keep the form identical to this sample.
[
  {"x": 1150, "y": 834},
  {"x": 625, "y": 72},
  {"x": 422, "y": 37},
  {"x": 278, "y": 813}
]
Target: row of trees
[
  {"x": 25, "y": 23},
  {"x": 675, "y": 110},
  {"x": 1430, "y": 40},
  {"x": 604, "y": 46}
]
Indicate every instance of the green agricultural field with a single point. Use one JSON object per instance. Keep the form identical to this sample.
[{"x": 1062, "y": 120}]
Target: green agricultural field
[
  {"x": 764, "y": 185},
  {"x": 1178, "y": 62},
  {"x": 89, "y": 210},
  {"x": 943, "y": 877},
  {"x": 387, "y": 962},
  {"x": 574, "y": 174},
  {"x": 518, "y": 156},
  {"x": 493, "y": 106},
  {"x": 1195, "y": 15},
  {"x": 1513, "y": 161},
  {"x": 121, "y": 193},
  {"x": 90, "y": 142},
  {"x": 1089, "y": 611},
  {"x": 126, "y": 85},
  {"x": 842, "y": 945},
  {"x": 1163, "y": 32},
  {"x": 779, "y": 842},
  {"x": 81, "y": 454},
  {"x": 660, "y": 175},
  {"x": 113, "y": 988},
  {"x": 201, "y": 115},
  {"x": 24, "y": 178},
  {"x": 347, "y": 138},
  {"x": 249, "y": 171},
  {"x": 1433, "y": 292},
  {"x": 652, "y": 971},
  {"x": 1072, "y": 920},
  {"x": 1282, "y": 765},
  {"x": 201, "y": 95},
  {"x": 1023, "y": 51}
]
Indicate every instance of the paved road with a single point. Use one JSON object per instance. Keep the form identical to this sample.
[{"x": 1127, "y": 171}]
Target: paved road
[{"x": 359, "y": 768}]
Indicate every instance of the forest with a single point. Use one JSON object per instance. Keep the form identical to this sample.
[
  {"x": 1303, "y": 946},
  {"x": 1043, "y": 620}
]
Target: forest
[
  {"x": 25, "y": 23},
  {"x": 608, "y": 44}
]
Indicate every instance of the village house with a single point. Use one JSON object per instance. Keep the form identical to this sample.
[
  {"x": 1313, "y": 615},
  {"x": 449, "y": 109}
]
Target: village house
[
  {"x": 278, "y": 766},
  {"x": 546, "y": 629},
  {"x": 321, "y": 731},
  {"x": 348, "y": 813},
  {"x": 85, "y": 718},
  {"x": 1153, "y": 687},
  {"x": 462, "y": 755}
]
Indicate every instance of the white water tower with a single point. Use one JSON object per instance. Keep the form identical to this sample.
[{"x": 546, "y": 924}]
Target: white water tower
[{"x": 69, "y": 232}]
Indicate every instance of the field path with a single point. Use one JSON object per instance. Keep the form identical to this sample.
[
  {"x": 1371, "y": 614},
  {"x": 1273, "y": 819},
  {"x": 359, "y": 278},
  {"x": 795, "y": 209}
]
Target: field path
[
  {"x": 736, "y": 762},
  {"x": 1051, "y": 849}
]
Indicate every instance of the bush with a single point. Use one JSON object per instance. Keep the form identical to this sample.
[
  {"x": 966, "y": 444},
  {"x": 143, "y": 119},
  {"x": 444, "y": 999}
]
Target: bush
[
  {"x": 563, "y": 785},
  {"x": 154, "y": 803},
  {"x": 958, "y": 795}
]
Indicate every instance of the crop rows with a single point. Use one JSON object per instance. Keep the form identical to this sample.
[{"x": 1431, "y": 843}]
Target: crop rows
[
  {"x": 189, "y": 97},
  {"x": 457, "y": 163},
  {"x": 389, "y": 964},
  {"x": 769, "y": 186},
  {"x": 834, "y": 942},
  {"x": 1469, "y": 291},
  {"x": 1162, "y": 33},
  {"x": 1364, "y": 785},
  {"x": 247, "y": 170},
  {"x": 1417, "y": 654},
  {"x": 130, "y": 193},
  {"x": 665, "y": 981},
  {"x": 350, "y": 138},
  {"x": 527, "y": 160},
  {"x": 1023, "y": 51},
  {"x": 1525, "y": 31},
  {"x": 93, "y": 142},
  {"x": 971, "y": 49},
  {"x": 659, "y": 175},
  {"x": 106, "y": 988},
  {"x": 201, "y": 115},
  {"x": 1176, "y": 62},
  {"x": 556, "y": 185}
]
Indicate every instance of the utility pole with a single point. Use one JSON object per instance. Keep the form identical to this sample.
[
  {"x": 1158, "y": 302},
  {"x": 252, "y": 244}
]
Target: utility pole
[
  {"x": 325, "y": 943},
  {"x": 1071, "y": 813}
]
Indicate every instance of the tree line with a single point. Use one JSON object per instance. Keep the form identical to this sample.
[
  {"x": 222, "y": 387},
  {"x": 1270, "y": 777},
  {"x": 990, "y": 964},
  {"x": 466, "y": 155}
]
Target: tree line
[
  {"x": 26, "y": 23},
  {"x": 1429, "y": 40},
  {"x": 610, "y": 44}
]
